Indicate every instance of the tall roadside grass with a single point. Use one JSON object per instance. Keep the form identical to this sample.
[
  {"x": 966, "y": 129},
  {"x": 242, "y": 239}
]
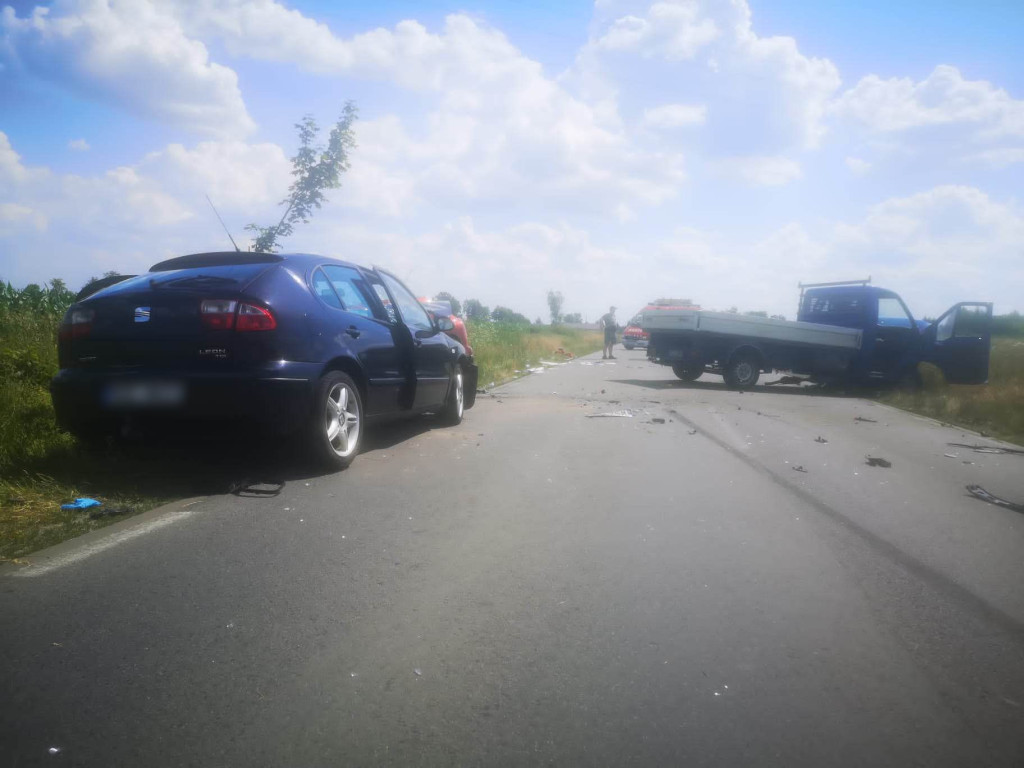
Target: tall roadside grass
[
  {"x": 996, "y": 408},
  {"x": 503, "y": 350}
]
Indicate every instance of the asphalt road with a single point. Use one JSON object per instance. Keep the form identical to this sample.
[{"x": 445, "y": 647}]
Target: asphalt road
[{"x": 537, "y": 587}]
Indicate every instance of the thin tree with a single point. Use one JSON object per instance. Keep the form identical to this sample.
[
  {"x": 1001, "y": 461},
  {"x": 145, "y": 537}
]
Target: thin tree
[
  {"x": 315, "y": 168},
  {"x": 555, "y": 300}
]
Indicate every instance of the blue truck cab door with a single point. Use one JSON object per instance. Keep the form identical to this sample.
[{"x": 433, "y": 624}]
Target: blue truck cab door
[
  {"x": 893, "y": 343},
  {"x": 959, "y": 341}
]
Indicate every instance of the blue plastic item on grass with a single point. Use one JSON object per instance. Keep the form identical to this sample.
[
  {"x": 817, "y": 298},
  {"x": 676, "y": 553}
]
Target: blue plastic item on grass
[{"x": 82, "y": 503}]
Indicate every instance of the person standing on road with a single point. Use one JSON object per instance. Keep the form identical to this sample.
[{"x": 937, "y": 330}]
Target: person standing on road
[{"x": 608, "y": 323}]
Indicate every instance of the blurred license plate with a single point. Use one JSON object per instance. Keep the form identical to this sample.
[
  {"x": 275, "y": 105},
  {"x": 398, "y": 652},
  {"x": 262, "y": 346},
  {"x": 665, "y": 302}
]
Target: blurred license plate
[{"x": 145, "y": 394}]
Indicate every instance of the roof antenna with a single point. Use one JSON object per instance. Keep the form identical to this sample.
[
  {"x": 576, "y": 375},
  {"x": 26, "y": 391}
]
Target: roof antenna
[{"x": 226, "y": 231}]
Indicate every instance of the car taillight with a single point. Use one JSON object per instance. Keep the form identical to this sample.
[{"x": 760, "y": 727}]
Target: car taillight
[
  {"x": 226, "y": 314},
  {"x": 218, "y": 314},
  {"x": 77, "y": 323},
  {"x": 253, "y": 318}
]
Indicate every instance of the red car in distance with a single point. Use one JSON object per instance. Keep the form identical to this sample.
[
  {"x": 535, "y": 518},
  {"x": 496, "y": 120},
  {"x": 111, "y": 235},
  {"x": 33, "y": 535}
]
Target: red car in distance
[
  {"x": 635, "y": 336},
  {"x": 444, "y": 309}
]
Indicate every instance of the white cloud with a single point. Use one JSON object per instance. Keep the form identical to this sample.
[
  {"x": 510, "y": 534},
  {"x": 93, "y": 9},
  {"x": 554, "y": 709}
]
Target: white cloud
[
  {"x": 79, "y": 145},
  {"x": 998, "y": 158},
  {"x": 767, "y": 95},
  {"x": 944, "y": 97},
  {"x": 672, "y": 30},
  {"x": 131, "y": 54},
  {"x": 15, "y": 217},
  {"x": 763, "y": 171},
  {"x": 669, "y": 116},
  {"x": 857, "y": 165},
  {"x": 237, "y": 176}
]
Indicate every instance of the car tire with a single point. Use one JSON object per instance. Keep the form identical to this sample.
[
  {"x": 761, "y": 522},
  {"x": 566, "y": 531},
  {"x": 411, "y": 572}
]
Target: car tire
[
  {"x": 455, "y": 406},
  {"x": 628, "y": 346},
  {"x": 336, "y": 424},
  {"x": 742, "y": 372},
  {"x": 687, "y": 372}
]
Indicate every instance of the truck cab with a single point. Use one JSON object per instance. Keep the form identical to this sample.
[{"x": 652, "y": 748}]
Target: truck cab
[{"x": 893, "y": 342}]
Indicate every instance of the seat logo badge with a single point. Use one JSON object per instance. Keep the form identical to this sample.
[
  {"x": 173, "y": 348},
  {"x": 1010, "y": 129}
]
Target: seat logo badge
[{"x": 142, "y": 314}]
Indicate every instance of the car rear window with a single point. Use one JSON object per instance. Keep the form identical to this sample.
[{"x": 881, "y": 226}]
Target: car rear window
[{"x": 222, "y": 277}]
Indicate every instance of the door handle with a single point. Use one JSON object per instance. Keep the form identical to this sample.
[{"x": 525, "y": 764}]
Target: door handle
[{"x": 353, "y": 331}]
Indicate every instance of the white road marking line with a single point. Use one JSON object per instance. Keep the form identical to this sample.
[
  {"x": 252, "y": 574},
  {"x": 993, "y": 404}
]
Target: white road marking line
[{"x": 109, "y": 542}]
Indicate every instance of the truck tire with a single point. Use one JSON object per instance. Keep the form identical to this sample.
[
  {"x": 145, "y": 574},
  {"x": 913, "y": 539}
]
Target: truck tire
[
  {"x": 688, "y": 372},
  {"x": 743, "y": 371}
]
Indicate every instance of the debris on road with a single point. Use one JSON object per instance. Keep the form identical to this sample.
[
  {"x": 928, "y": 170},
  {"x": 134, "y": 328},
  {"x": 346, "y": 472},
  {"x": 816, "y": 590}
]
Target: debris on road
[
  {"x": 951, "y": 456},
  {"x": 820, "y": 439},
  {"x": 81, "y": 503},
  {"x": 865, "y": 418},
  {"x": 624, "y": 414},
  {"x": 657, "y": 421},
  {"x": 980, "y": 493},
  {"x": 784, "y": 380},
  {"x": 874, "y": 461},
  {"x": 989, "y": 449},
  {"x": 692, "y": 432},
  {"x": 799, "y": 468},
  {"x": 418, "y": 671},
  {"x": 256, "y": 489}
]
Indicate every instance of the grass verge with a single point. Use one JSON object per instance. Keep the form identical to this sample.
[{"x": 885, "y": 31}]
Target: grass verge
[
  {"x": 502, "y": 349},
  {"x": 997, "y": 408}
]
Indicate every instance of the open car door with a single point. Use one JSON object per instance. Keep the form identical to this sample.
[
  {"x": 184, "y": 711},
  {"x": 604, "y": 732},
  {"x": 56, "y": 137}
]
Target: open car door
[{"x": 958, "y": 342}]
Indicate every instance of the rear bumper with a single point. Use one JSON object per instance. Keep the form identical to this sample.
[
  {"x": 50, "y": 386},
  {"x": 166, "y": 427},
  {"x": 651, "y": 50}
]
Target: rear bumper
[
  {"x": 634, "y": 342},
  {"x": 276, "y": 398}
]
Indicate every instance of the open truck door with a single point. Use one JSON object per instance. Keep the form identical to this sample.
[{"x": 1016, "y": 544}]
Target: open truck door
[{"x": 958, "y": 342}]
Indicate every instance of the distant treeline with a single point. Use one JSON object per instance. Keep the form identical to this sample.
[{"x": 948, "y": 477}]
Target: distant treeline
[{"x": 1008, "y": 325}]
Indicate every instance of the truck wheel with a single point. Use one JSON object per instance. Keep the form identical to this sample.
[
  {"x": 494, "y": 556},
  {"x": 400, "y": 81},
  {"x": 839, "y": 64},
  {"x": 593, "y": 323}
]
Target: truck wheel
[
  {"x": 688, "y": 372},
  {"x": 336, "y": 425},
  {"x": 455, "y": 405},
  {"x": 742, "y": 372}
]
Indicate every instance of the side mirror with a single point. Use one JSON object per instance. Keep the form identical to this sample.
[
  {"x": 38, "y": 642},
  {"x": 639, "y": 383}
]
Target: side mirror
[{"x": 445, "y": 324}]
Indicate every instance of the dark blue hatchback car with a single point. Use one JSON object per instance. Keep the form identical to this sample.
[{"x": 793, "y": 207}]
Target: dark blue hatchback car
[{"x": 286, "y": 343}]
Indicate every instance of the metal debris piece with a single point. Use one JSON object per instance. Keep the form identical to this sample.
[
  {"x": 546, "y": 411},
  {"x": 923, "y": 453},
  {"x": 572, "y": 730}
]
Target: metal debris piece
[
  {"x": 820, "y": 439},
  {"x": 980, "y": 493},
  {"x": 951, "y": 456},
  {"x": 875, "y": 461},
  {"x": 692, "y": 432},
  {"x": 626, "y": 414},
  {"x": 256, "y": 489},
  {"x": 656, "y": 420},
  {"x": 864, "y": 418},
  {"x": 989, "y": 449},
  {"x": 799, "y": 468},
  {"x": 418, "y": 671}
]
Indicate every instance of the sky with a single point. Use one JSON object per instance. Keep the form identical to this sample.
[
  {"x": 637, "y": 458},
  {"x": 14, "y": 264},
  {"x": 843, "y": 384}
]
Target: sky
[{"x": 720, "y": 151}]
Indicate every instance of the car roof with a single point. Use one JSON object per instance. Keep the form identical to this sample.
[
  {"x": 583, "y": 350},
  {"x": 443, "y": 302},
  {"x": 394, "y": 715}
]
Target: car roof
[{"x": 237, "y": 258}]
